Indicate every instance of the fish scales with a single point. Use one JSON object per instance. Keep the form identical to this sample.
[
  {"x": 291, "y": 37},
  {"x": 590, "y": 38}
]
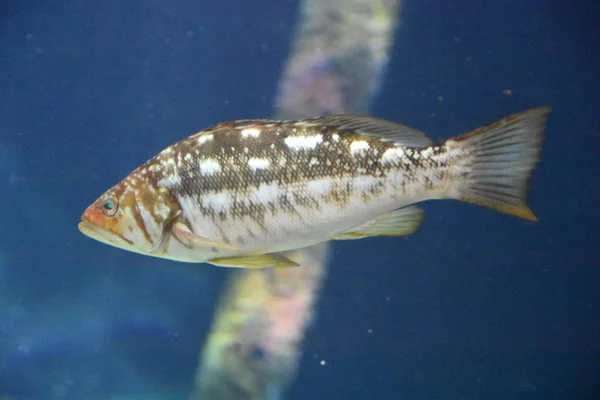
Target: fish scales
[
  {"x": 239, "y": 190},
  {"x": 260, "y": 170},
  {"x": 277, "y": 163}
]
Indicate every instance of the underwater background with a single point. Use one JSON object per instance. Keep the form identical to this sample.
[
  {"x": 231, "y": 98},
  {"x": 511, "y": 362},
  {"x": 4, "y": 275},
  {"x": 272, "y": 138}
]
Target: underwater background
[{"x": 475, "y": 305}]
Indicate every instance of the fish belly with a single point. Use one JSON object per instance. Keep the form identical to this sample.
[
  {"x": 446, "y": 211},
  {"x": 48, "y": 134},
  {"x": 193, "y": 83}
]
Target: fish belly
[{"x": 274, "y": 219}]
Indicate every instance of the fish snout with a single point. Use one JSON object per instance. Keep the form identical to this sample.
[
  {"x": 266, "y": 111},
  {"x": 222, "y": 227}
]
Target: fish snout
[{"x": 93, "y": 216}]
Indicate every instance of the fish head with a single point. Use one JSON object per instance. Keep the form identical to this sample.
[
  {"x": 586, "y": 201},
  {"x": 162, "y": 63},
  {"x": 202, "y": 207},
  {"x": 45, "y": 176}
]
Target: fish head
[{"x": 134, "y": 215}]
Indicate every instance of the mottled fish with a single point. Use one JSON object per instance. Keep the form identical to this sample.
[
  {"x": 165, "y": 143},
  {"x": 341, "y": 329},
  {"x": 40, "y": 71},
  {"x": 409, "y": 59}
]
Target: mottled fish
[{"x": 238, "y": 193}]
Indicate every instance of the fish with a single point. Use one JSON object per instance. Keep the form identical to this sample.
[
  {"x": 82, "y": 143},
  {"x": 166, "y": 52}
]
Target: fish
[{"x": 239, "y": 193}]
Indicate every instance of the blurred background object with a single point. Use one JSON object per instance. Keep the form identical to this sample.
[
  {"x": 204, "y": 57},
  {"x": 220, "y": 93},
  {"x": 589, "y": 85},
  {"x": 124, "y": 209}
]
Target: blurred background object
[{"x": 254, "y": 346}]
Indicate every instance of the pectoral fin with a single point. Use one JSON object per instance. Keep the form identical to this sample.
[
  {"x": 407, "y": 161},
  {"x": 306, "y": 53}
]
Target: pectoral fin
[
  {"x": 189, "y": 238},
  {"x": 254, "y": 261},
  {"x": 402, "y": 222}
]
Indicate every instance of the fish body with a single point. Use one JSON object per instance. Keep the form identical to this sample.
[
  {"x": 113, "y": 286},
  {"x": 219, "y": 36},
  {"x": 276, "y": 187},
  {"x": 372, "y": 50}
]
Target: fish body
[{"x": 238, "y": 193}]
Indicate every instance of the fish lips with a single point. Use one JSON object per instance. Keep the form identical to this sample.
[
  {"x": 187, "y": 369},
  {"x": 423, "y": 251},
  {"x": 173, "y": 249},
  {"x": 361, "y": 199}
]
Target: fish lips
[{"x": 92, "y": 231}]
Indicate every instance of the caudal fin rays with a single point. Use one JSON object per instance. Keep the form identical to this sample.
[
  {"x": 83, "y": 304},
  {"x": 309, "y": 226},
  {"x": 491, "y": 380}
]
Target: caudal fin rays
[{"x": 503, "y": 156}]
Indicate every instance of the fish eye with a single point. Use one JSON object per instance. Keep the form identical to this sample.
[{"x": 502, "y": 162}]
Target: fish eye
[{"x": 110, "y": 206}]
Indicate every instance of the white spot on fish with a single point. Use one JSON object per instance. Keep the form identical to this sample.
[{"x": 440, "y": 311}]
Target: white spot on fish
[
  {"x": 188, "y": 157},
  {"x": 161, "y": 210},
  {"x": 135, "y": 235},
  {"x": 258, "y": 163},
  {"x": 251, "y": 132},
  {"x": 170, "y": 180},
  {"x": 220, "y": 201},
  {"x": 149, "y": 224},
  {"x": 205, "y": 138},
  {"x": 313, "y": 161},
  {"x": 391, "y": 156},
  {"x": 335, "y": 137},
  {"x": 264, "y": 193},
  {"x": 319, "y": 187},
  {"x": 358, "y": 146},
  {"x": 303, "y": 142},
  {"x": 210, "y": 166},
  {"x": 427, "y": 152}
]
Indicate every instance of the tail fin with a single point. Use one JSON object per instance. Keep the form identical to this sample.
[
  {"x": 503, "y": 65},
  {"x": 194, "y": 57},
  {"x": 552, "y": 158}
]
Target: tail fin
[{"x": 501, "y": 159}]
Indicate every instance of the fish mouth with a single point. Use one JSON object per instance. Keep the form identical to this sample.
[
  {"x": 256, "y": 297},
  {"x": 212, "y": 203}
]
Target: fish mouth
[
  {"x": 86, "y": 228},
  {"x": 104, "y": 236},
  {"x": 92, "y": 231}
]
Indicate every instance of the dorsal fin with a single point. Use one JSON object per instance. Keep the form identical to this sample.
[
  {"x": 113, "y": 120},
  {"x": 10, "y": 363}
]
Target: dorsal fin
[{"x": 382, "y": 129}]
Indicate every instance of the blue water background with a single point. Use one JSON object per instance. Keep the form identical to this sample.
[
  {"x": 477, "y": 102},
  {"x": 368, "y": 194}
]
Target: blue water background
[{"x": 476, "y": 305}]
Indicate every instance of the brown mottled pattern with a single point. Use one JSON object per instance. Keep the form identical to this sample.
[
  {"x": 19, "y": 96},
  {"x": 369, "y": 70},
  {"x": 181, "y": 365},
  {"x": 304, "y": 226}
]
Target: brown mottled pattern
[
  {"x": 233, "y": 152},
  {"x": 286, "y": 165},
  {"x": 139, "y": 189},
  {"x": 331, "y": 158}
]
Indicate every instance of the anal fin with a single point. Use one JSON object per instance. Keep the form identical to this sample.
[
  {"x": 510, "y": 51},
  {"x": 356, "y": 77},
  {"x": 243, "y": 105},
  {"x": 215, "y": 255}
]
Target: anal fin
[{"x": 401, "y": 222}]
